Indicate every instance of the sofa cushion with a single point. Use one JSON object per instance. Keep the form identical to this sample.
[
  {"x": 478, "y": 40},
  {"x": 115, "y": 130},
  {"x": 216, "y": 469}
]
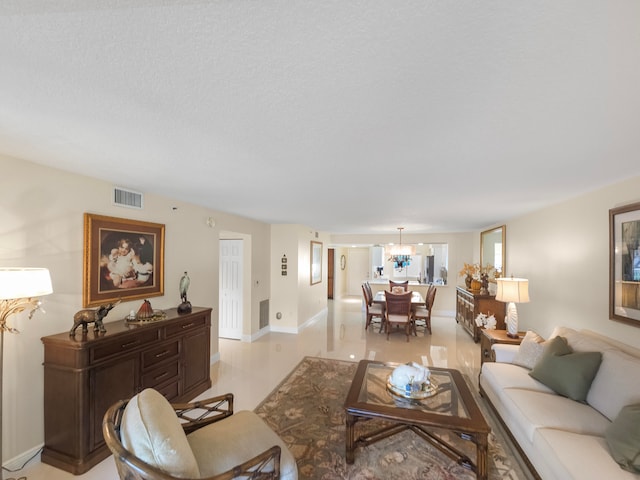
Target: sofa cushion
[
  {"x": 223, "y": 445},
  {"x": 533, "y": 410},
  {"x": 152, "y": 432},
  {"x": 619, "y": 373},
  {"x": 569, "y": 455},
  {"x": 568, "y": 374},
  {"x": 506, "y": 375},
  {"x": 530, "y": 351},
  {"x": 623, "y": 438}
]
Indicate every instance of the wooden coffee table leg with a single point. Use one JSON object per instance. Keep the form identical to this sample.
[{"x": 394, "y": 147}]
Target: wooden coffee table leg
[
  {"x": 482, "y": 457},
  {"x": 349, "y": 438}
]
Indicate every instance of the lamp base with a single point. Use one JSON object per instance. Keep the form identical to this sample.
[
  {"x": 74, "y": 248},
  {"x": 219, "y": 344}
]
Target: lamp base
[{"x": 512, "y": 320}]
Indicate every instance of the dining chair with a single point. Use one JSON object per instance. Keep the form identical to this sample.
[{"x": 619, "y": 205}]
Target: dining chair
[
  {"x": 422, "y": 314},
  {"x": 404, "y": 285},
  {"x": 367, "y": 285},
  {"x": 398, "y": 312},
  {"x": 373, "y": 309}
]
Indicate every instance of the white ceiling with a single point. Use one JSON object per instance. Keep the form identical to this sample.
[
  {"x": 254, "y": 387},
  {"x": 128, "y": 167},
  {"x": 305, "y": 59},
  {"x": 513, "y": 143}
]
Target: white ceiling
[{"x": 349, "y": 116}]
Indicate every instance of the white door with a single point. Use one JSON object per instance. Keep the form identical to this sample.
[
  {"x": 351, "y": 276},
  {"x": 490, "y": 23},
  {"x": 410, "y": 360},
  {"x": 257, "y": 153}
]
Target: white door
[
  {"x": 230, "y": 303},
  {"x": 359, "y": 269}
]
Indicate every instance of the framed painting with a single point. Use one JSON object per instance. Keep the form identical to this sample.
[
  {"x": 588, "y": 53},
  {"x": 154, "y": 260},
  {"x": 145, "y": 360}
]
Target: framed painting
[
  {"x": 624, "y": 264},
  {"x": 316, "y": 262},
  {"x": 123, "y": 260}
]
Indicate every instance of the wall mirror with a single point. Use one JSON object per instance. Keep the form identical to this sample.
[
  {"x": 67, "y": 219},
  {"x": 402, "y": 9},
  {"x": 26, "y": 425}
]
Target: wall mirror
[{"x": 493, "y": 247}]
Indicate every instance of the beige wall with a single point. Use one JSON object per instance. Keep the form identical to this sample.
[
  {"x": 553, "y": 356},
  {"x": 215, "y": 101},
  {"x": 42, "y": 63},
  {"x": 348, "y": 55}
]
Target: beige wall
[
  {"x": 564, "y": 252},
  {"x": 292, "y": 295},
  {"x": 42, "y": 226}
]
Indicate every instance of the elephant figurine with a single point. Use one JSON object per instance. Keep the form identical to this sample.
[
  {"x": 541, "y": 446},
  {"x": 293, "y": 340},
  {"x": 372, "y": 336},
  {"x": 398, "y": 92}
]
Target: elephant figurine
[{"x": 95, "y": 316}]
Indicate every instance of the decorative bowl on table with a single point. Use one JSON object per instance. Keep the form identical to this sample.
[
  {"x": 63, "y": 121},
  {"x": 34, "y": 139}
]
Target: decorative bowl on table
[{"x": 411, "y": 381}]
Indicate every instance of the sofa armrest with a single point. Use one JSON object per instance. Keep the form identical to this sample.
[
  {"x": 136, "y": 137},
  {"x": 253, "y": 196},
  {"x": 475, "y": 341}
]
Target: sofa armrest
[{"x": 505, "y": 353}]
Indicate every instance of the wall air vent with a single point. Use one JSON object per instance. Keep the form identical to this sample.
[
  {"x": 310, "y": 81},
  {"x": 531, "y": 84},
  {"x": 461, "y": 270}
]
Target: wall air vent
[
  {"x": 264, "y": 313},
  {"x": 127, "y": 198}
]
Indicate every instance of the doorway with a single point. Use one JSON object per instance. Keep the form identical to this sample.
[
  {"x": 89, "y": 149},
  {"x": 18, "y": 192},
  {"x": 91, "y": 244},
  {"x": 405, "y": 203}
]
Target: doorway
[{"x": 231, "y": 291}]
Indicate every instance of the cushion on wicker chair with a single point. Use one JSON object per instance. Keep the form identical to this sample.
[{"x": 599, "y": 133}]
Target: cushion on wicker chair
[
  {"x": 220, "y": 446},
  {"x": 152, "y": 432}
]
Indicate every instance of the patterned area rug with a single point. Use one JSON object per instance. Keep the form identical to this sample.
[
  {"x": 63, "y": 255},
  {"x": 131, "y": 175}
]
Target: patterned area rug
[{"x": 307, "y": 411}]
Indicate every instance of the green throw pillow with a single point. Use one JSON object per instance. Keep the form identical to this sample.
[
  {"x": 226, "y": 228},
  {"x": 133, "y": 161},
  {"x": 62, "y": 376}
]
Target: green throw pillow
[
  {"x": 623, "y": 437},
  {"x": 565, "y": 372}
]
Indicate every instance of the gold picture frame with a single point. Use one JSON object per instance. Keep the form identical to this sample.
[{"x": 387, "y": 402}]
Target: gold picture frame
[{"x": 123, "y": 259}]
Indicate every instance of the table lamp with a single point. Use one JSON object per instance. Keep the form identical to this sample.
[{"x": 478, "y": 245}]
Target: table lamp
[
  {"x": 512, "y": 291},
  {"x": 19, "y": 289}
]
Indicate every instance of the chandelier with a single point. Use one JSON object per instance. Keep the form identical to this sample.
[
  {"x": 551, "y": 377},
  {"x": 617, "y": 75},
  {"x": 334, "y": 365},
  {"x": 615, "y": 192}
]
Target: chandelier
[{"x": 400, "y": 254}]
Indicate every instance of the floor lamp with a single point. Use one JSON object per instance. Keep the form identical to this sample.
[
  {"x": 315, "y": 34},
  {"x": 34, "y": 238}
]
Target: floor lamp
[
  {"x": 512, "y": 291},
  {"x": 19, "y": 290}
]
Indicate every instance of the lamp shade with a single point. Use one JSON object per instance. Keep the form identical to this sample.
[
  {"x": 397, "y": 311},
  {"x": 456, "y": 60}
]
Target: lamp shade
[
  {"x": 18, "y": 283},
  {"x": 394, "y": 250},
  {"x": 514, "y": 290}
]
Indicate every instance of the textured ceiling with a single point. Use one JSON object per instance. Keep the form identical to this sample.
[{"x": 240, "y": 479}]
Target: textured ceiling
[{"x": 346, "y": 116}]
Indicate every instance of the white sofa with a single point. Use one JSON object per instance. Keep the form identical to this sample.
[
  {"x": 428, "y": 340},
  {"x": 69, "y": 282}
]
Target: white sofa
[{"x": 562, "y": 438}]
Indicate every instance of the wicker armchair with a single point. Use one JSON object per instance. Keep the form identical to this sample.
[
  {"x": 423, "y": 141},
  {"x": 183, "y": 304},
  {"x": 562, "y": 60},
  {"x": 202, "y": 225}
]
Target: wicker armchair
[{"x": 153, "y": 439}]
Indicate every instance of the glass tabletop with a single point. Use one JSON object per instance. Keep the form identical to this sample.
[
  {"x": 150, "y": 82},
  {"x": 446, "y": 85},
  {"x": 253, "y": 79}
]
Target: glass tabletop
[{"x": 443, "y": 400}]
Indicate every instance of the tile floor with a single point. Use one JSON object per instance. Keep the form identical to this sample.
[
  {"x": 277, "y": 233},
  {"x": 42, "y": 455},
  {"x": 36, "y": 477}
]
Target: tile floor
[{"x": 252, "y": 370}]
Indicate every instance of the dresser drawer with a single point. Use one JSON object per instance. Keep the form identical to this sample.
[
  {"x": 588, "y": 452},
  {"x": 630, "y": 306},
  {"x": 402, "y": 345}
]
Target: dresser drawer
[
  {"x": 190, "y": 323},
  {"x": 170, "y": 390},
  {"x": 125, "y": 344},
  {"x": 154, "y": 355},
  {"x": 160, "y": 375}
]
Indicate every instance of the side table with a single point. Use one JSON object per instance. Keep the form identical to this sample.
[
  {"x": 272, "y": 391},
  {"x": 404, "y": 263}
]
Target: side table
[{"x": 489, "y": 337}]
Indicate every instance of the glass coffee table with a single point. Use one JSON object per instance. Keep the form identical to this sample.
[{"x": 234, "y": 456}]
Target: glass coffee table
[{"x": 449, "y": 405}]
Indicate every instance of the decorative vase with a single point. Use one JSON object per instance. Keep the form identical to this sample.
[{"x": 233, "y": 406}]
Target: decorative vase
[{"x": 475, "y": 285}]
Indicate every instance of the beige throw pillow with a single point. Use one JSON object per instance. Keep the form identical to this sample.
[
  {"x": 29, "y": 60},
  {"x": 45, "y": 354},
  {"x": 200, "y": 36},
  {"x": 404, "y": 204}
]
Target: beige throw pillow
[
  {"x": 152, "y": 432},
  {"x": 530, "y": 350}
]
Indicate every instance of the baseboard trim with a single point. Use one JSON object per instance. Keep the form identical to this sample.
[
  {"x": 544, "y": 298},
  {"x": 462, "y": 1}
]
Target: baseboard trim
[
  {"x": 19, "y": 462},
  {"x": 299, "y": 328}
]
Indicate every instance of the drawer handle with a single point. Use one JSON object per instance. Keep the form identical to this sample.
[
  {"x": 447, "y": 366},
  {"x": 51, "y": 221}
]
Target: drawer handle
[
  {"x": 162, "y": 354},
  {"x": 161, "y": 375},
  {"x": 188, "y": 325},
  {"x": 130, "y": 344}
]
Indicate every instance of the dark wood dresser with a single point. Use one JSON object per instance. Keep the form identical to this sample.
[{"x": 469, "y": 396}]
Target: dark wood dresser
[
  {"x": 469, "y": 305},
  {"x": 86, "y": 374}
]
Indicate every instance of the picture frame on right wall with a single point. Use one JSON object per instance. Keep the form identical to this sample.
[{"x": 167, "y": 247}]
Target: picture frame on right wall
[{"x": 624, "y": 264}]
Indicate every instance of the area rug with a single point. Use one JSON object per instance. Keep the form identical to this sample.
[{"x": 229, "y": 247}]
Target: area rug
[{"x": 307, "y": 411}]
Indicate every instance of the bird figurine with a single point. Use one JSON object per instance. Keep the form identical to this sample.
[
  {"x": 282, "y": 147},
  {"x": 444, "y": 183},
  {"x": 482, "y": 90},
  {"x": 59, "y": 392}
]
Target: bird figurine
[{"x": 185, "y": 306}]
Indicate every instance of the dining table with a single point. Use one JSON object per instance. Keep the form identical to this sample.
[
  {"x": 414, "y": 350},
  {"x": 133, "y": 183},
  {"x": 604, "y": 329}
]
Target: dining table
[{"x": 416, "y": 298}]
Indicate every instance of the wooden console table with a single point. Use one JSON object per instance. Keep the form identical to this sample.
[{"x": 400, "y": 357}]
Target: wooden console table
[
  {"x": 491, "y": 337},
  {"x": 86, "y": 374},
  {"x": 469, "y": 305}
]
